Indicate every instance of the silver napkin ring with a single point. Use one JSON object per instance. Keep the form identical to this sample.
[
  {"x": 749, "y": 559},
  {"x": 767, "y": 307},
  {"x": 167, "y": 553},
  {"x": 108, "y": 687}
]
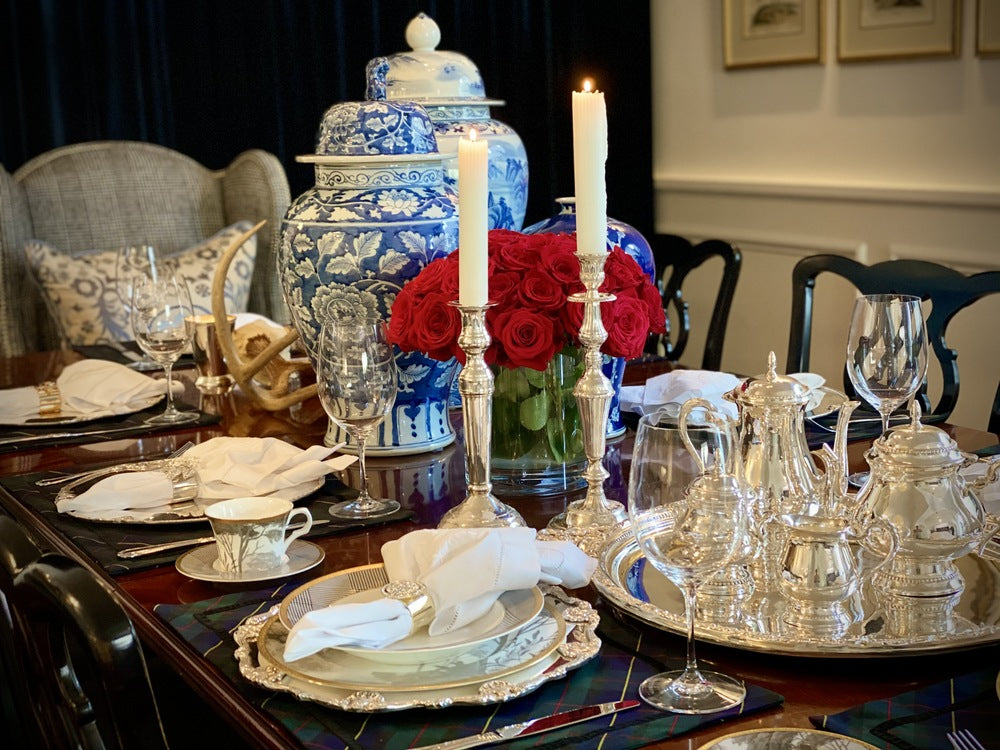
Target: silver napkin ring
[
  {"x": 49, "y": 399},
  {"x": 416, "y": 599}
]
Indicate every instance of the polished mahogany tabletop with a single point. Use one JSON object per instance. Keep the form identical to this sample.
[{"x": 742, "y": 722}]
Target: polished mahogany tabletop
[{"x": 428, "y": 484}]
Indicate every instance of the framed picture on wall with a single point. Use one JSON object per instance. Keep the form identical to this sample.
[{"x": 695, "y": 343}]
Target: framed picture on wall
[
  {"x": 881, "y": 29},
  {"x": 988, "y": 28},
  {"x": 771, "y": 32}
]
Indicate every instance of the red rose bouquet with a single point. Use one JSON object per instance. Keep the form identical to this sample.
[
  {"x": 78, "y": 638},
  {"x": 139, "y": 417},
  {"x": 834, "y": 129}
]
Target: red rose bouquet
[{"x": 530, "y": 278}]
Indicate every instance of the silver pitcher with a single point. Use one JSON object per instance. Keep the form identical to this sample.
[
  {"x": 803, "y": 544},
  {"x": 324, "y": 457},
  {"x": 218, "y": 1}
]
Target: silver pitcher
[
  {"x": 819, "y": 570},
  {"x": 915, "y": 484}
]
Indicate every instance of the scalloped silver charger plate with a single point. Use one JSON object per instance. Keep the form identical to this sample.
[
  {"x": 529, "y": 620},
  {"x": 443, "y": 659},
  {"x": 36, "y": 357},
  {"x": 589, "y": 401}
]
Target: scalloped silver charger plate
[
  {"x": 579, "y": 645},
  {"x": 882, "y": 626}
]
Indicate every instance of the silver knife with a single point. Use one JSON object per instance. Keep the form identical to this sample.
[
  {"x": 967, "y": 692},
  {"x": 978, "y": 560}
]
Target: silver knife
[
  {"x": 28, "y": 439},
  {"x": 153, "y": 549},
  {"x": 534, "y": 726}
]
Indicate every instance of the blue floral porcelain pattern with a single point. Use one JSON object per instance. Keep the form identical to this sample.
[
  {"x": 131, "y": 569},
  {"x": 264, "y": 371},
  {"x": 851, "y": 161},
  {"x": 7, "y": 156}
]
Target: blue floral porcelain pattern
[
  {"x": 375, "y": 128},
  {"x": 350, "y": 244}
]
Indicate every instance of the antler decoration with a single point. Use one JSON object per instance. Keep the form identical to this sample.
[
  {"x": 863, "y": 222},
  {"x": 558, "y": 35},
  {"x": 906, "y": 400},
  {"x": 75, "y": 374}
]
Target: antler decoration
[{"x": 277, "y": 398}]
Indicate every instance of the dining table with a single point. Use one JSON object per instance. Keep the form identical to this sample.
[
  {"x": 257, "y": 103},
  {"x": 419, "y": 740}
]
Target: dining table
[{"x": 427, "y": 485}]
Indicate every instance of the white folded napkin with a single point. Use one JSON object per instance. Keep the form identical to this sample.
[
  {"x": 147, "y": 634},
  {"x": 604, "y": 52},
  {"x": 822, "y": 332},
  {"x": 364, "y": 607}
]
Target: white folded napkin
[
  {"x": 131, "y": 490},
  {"x": 669, "y": 391},
  {"x": 464, "y": 570},
  {"x": 225, "y": 468},
  {"x": 233, "y": 466},
  {"x": 88, "y": 388},
  {"x": 814, "y": 382}
]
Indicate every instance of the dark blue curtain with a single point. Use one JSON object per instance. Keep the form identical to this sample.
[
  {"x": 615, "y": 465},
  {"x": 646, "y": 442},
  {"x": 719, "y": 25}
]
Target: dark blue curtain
[{"x": 212, "y": 78}]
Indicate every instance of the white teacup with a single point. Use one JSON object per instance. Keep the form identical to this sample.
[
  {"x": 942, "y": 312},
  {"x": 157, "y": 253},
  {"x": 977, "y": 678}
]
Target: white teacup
[{"x": 250, "y": 533}]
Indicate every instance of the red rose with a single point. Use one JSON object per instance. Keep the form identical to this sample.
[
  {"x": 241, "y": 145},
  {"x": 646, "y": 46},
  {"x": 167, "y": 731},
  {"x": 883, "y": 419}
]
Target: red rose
[
  {"x": 654, "y": 308},
  {"x": 519, "y": 254},
  {"x": 621, "y": 272},
  {"x": 527, "y": 339},
  {"x": 400, "y": 318},
  {"x": 503, "y": 287},
  {"x": 435, "y": 326},
  {"x": 561, "y": 263},
  {"x": 438, "y": 277},
  {"x": 540, "y": 291},
  {"x": 628, "y": 329}
]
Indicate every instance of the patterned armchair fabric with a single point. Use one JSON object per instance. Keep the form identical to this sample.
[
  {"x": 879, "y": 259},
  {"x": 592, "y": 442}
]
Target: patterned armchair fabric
[{"x": 106, "y": 194}]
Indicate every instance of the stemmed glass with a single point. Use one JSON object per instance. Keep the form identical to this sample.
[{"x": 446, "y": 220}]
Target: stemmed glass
[
  {"x": 886, "y": 353},
  {"x": 688, "y": 521},
  {"x": 356, "y": 379},
  {"x": 159, "y": 307},
  {"x": 133, "y": 261}
]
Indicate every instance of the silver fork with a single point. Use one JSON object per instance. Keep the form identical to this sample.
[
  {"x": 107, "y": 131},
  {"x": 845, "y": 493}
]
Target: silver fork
[
  {"x": 963, "y": 739},
  {"x": 94, "y": 473}
]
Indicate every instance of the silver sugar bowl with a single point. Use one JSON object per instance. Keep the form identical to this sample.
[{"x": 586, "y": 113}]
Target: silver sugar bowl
[{"x": 916, "y": 485}]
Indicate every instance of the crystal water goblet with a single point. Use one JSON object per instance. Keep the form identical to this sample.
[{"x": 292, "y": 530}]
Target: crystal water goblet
[
  {"x": 687, "y": 536},
  {"x": 159, "y": 309},
  {"x": 356, "y": 380},
  {"x": 131, "y": 262}
]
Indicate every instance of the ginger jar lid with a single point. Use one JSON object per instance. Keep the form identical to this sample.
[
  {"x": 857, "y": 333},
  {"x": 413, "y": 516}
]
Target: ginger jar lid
[
  {"x": 378, "y": 130},
  {"x": 426, "y": 74}
]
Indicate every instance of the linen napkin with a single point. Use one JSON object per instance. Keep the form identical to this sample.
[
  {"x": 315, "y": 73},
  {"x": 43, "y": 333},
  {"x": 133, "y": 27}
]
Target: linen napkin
[
  {"x": 464, "y": 571},
  {"x": 226, "y": 467},
  {"x": 88, "y": 388},
  {"x": 669, "y": 391}
]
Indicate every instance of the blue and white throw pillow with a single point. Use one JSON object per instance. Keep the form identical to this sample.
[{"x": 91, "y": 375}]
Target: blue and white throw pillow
[{"x": 84, "y": 300}]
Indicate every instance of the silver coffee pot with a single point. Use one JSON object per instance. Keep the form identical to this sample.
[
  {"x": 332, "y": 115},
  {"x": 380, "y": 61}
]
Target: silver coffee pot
[{"x": 915, "y": 484}]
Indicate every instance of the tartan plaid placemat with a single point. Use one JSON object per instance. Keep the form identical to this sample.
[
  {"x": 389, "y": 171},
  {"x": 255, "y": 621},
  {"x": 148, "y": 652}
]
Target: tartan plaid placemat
[
  {"x": 102, "y": 541},
  {"x": 921, "y": 719},
  {"x": 624, "y": 661}
]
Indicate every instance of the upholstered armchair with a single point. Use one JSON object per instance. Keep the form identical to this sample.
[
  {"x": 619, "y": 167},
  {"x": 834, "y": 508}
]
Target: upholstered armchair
[{"x": 105, "y": 194}]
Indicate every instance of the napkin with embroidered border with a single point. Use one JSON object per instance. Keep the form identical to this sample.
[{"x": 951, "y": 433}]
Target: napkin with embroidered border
[{"x": 464, "y": 571}]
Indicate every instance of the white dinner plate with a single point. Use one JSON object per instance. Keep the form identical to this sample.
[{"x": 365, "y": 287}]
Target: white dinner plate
[
  {"x": 513, "y": 610},
  {"x": 70, "y": 417},
  {"x": 199, "y": 564},
  {"x": 487, "y": 660},
  {"x": 786, "y": 738}
]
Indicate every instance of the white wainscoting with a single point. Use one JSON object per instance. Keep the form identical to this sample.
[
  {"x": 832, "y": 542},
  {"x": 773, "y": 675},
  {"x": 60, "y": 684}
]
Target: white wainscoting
[{"x": 776, "y": 223}]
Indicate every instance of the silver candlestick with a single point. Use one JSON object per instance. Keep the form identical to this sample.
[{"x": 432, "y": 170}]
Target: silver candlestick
[
  {"x": 475, "y": 385},
  {"x": 593, "y": 393}
]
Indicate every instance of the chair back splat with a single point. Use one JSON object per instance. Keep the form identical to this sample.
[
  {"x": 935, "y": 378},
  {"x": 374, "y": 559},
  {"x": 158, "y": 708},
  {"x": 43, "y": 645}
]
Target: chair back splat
[
  {"x": 681, "y": 256},
  {"x": 947, "y": 290},
  {"x": 89, "y": 674}
]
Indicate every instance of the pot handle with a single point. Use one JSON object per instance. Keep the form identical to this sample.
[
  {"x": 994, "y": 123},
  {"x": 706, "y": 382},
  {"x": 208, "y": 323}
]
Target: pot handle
[
  {"x": 716, "y": 419},
  {"x": 867, "y": 540},
  {"x": 992, "y": 471}
]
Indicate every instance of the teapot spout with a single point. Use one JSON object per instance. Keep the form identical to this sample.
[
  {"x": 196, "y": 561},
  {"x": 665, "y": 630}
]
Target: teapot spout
[{"x": 846, "y": 409}]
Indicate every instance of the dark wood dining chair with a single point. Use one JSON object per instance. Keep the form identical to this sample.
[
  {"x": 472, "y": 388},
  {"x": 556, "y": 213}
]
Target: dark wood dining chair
[
  {"x": 89, "y": 678},
  {"x": 681, "y": 256},
  {"x": 20, "y": 727},
  {"x": 994, "y": 424},
  {"x": 947, "y": 290}
]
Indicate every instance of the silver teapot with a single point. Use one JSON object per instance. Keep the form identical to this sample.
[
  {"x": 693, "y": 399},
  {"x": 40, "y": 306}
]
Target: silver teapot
[{"x": 915, "y": 483}]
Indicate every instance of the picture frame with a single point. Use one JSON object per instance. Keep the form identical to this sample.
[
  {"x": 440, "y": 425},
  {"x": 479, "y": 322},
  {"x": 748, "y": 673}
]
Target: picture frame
[
  {"x": 988, "y": 28},
  {"x": 766, "y": 32},
  {"x": 897, "y": 29}
]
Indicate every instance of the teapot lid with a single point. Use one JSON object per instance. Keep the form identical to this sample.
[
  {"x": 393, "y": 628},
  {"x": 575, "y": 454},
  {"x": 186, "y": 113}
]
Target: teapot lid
[
  {"x": 919, "y": 445},
  {"x": 375, "y": 129},
  {"x": 426, "y": 74},
  {"x": 772, "y": 389}
]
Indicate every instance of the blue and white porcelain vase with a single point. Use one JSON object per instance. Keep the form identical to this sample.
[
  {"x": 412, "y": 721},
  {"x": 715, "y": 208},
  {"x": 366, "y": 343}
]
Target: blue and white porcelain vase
[
  {"x": 629, "y": 239},
  {"x": 378, "y": 213},
  {"x": 448, "y": 85}
]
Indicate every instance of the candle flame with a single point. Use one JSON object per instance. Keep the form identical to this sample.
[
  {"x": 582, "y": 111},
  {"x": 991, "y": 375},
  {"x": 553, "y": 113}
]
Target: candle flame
[
  {"x": 588, "y": 85},
  {"x": 472, "y": 134}
]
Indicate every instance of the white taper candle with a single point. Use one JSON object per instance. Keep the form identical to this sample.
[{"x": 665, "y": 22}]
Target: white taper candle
[
  {"x": 473, "y": 204},
  {"x": 590, "y": 152}
]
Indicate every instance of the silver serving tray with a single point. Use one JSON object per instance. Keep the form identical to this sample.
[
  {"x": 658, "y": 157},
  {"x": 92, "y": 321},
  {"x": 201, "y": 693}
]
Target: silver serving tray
[{"x": 883, "y": 627}]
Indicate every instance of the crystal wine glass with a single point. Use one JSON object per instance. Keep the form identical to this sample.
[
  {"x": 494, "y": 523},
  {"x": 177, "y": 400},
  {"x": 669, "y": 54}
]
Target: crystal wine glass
[
  {"x": 356, "y": 378},
  {"x": 688, "y": 521},
  {"x": 131, "y": 262},
  {"x": 159, "y": 307},
  {"x": 886, "y": 353}
]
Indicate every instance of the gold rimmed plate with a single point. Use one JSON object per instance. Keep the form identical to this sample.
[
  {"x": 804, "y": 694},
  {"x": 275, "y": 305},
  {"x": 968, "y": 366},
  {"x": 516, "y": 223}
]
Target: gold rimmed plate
[{"x": 786, "y": 738}]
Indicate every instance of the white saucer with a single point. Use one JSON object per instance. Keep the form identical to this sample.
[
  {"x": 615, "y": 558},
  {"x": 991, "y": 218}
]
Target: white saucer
[
  {"x": 776, "y": 738},
  {"x": 199, "y": 564}
]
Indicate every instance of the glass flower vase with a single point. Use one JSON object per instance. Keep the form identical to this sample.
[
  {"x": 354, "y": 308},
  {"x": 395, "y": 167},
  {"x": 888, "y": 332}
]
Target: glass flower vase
[{"x": 537, "y": 439}]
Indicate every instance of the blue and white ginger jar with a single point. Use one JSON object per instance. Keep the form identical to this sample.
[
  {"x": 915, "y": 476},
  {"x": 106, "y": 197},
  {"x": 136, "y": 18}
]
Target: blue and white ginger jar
[
  {"x": 629, "y": 239},
  {"x": 448, "y": 85},
  {"x": 378, "y": 214}
]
